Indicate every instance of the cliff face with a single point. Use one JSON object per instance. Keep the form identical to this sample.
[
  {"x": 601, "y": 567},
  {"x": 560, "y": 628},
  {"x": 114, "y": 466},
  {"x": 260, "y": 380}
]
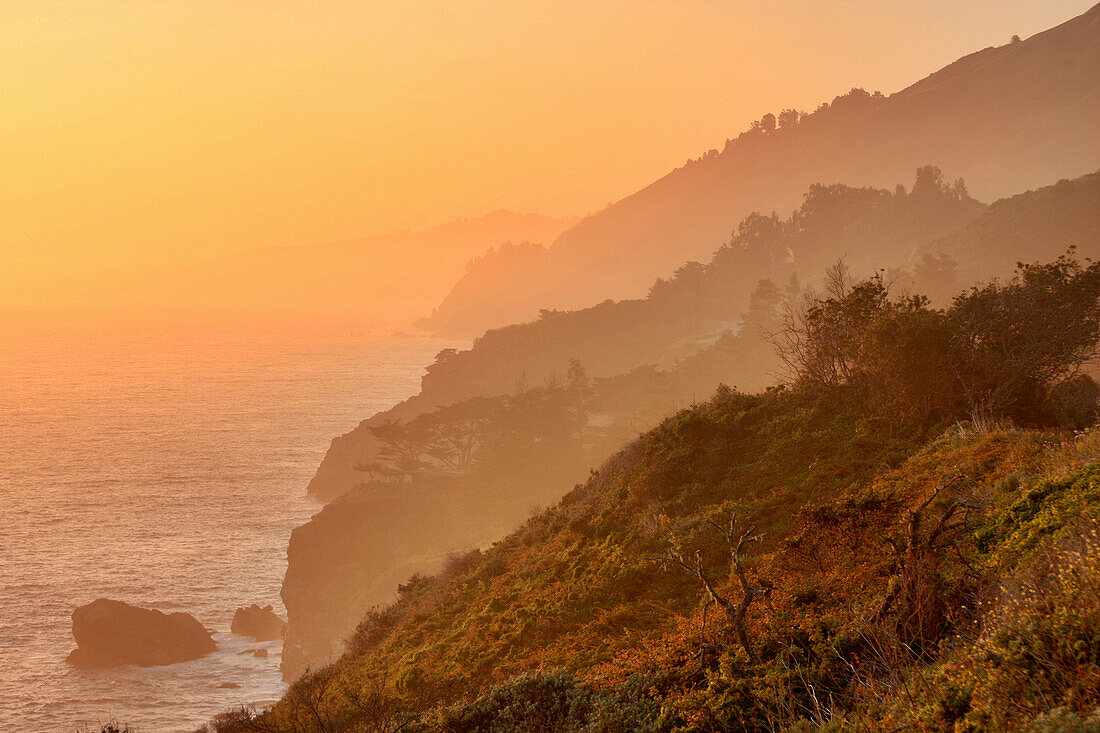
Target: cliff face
[
  {"x": 337, "y": 475},
  {"x": 352, "y": 556}
]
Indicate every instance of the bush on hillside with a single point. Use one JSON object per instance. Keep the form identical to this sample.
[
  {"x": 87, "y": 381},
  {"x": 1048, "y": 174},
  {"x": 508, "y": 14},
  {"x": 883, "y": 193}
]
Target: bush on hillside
[
  {"x": 1013, "y": 349},
  {"x": 533, "y": 703}
]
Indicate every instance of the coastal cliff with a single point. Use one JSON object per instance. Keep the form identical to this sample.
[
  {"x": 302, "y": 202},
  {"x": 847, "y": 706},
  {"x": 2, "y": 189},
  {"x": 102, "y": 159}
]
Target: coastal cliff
[
  {"x": 936, "y": 232},
  {"x": 533, "y": 445},
  {"x": 353, "y": 555}
]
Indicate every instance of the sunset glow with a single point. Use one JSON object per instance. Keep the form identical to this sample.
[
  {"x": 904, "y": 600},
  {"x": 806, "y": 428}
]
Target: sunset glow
[
  {"x": 549, "y": 366},
  {"x": 138, "y": 135}
]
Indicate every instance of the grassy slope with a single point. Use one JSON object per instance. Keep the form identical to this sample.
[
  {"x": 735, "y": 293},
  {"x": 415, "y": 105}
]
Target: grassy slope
[
  {"x": 574, "y": 585},
  {"x": 573, "y": 588}
]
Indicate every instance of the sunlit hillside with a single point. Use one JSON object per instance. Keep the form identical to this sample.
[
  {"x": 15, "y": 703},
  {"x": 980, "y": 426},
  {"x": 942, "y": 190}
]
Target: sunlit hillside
[{"x": 588, "y": 366}]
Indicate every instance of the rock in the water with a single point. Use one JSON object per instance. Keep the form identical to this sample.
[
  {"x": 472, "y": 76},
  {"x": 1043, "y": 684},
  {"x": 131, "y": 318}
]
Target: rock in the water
[
  {"x": 260, "y": 653},
  {"x": 229, "y": 686},
  {"x": 111, "y": 633},
  {"x": 262, "y": 624}
]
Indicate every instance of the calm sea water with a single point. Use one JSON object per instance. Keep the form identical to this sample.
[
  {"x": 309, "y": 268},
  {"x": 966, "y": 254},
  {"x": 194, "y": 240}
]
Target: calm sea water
[{"x": 168, "y": 473}]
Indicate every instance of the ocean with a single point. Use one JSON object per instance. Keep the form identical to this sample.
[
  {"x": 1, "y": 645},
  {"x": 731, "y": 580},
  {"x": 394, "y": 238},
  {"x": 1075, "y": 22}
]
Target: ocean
[{"x": 167, "y": 472}]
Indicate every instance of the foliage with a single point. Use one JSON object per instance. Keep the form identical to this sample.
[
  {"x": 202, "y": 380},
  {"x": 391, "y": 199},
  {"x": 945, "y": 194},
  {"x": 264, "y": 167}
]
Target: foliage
[
  {"x": 533, "y": 703},
  {"x": 915, "y": 572},
  {"x": 1004, "y": 349},
  {"x": 1014, "y": 342}
]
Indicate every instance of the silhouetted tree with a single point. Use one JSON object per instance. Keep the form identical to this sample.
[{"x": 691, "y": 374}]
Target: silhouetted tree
[
  {"x": 454, "y": 434},
  {"x": 402, "y": 445},
  {"x": 788, "y": 118}
]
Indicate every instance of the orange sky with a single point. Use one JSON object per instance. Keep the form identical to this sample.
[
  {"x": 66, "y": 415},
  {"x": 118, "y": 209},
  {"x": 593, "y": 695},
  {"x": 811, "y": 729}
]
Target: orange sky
[{"x": 138, "y": 134}]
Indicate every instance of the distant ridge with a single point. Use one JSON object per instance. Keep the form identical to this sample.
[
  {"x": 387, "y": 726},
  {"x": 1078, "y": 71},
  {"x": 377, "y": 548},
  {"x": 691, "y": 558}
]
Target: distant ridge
[
  {"x": 1006, "y": 119},
  {"x": 387, "y": 278},
  {"x": 869, "y": 228}
]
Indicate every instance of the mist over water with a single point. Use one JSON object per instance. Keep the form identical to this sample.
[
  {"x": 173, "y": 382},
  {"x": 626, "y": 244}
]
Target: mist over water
[{"x": 167, "y": 473}]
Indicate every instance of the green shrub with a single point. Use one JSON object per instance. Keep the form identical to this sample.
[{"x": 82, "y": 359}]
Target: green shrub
[{"x": 535, "y": 703}]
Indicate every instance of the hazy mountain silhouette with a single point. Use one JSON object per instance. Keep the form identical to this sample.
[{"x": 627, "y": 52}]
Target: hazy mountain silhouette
[
  {"x": 390, "y": 276},
  {"x": 897, "y": 230},
  {"x": 1028, "y": 227},
  {"x": 1006, "y": 119}
]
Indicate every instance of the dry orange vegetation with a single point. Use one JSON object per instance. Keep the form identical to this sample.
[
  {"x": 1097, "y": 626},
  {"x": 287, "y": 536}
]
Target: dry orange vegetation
[
  {"x": 907, "y": 525},
  {"x": 574, "y": 590},
  {"x": 895, "y": 555}
]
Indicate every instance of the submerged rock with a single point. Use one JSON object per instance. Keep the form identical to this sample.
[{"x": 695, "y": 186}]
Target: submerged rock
[
  {"x": 262, "y": 624},
  {"x": 112, "y": 633}
]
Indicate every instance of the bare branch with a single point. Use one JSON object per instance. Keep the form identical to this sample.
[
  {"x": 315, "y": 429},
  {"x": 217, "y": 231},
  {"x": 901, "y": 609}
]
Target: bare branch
[{"x": 735, "y": 612}]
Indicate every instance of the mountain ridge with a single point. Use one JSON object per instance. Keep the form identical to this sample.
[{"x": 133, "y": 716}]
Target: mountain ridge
[{"x": 949, "y": 117}]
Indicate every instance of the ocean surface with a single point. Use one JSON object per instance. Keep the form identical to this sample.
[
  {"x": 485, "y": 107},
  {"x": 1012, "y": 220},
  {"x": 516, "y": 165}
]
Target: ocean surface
[{"x": 166, "y": 472}]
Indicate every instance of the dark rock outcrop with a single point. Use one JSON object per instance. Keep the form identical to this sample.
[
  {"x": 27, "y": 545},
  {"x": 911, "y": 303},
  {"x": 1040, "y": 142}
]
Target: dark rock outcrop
[
  {"x": 112, "y": 633},
  {"x": 262, "y": 624}
]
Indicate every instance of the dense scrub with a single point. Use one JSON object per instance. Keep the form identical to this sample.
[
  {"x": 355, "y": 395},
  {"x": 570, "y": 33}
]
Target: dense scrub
[
  {"x": 997, "y": 625},
  {"x": 902, "y": 555}
]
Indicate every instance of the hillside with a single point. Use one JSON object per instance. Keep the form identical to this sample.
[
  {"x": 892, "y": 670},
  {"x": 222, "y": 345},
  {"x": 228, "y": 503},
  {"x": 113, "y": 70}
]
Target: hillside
[
  {"x": 889, "y": 563},
  {"x": 702, "y": 327},
  {"x": 1027, "y": 227},
  {"x": 684, "y": 314},
  {"x": 461, "y": 477},
  {"x": 574, "y": 591},
  {"x": 1005, "y": 119}
]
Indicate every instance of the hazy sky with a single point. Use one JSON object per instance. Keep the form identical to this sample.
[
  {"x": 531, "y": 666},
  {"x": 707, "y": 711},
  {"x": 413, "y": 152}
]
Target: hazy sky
[{"x": 137, "y": 132}]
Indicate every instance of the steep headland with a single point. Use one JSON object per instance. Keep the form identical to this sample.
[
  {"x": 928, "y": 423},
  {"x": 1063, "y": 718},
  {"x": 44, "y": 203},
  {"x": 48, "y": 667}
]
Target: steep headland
[
  {"x": 904, "y": 230},
  {"x": 531, "y": 446},
  {"x": 850, "y": 538}
]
